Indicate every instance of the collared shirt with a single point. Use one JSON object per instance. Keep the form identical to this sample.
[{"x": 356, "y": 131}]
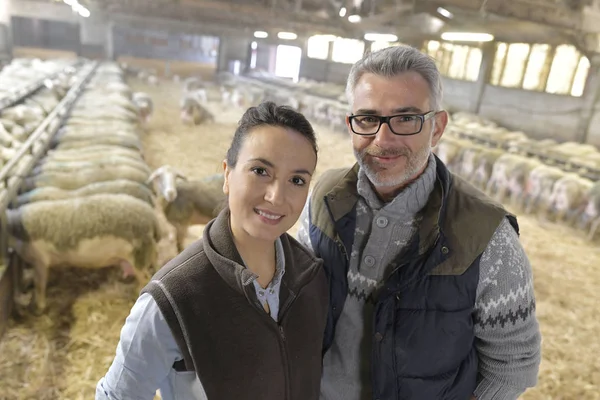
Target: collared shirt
[{"x": 147, "y": 350}]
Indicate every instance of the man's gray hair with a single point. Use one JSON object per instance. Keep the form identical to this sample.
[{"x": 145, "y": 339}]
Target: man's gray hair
[{"x": 395, "y": 60}]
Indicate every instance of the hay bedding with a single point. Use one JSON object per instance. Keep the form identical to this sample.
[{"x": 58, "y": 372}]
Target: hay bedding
[{"x": 63, "y": 354}]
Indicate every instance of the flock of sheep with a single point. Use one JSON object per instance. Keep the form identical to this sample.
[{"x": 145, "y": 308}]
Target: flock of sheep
[
  {"x": 543, "y": 177},
  {"x": 90, "y": 200},
  {"x": 555, "y": 180}
]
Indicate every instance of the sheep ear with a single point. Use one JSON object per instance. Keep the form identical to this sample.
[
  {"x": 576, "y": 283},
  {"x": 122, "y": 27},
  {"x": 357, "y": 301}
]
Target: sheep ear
[
  {"x": 180, "y": 175},
  {"x": 156, "y": 173}
]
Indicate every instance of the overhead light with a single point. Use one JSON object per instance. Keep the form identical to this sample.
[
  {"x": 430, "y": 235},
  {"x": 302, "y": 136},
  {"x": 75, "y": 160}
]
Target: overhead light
[
  {"x": 253, "y": 45},
  {"x": 444, "y": 12},
  {"x": 467, "y": 37},
  {"x": 380, "y": 37},
  {"x": 287, "y": 35},
  {"x": 261, "y": 34},
  {"x": 84, "y": 12},
  {"x": 355, "y": 19},
  {"x": 343, "y": 12}
]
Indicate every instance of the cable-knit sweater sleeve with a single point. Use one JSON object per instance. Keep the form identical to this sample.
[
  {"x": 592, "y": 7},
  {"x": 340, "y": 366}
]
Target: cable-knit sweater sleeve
[{"x": 507, "y": 334}]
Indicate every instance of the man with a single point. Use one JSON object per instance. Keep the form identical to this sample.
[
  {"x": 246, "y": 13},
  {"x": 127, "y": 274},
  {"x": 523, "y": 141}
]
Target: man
[{"x": 431, "y": 291}]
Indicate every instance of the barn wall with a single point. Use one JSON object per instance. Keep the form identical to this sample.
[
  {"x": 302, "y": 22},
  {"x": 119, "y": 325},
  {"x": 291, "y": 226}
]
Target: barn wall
[
  {"x": 46, "y": 34},
  {"x": 92, "y": 36},
  {"x": 540, "y": 115},
  {"x": 152, "y": 43},
  {"x": 5, "y": 37}
]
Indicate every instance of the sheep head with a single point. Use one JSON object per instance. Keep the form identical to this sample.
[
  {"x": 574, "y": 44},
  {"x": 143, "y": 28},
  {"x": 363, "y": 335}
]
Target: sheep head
[{"x": 163, "y": 180}]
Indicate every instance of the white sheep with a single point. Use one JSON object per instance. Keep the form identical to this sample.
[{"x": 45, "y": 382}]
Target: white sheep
[
  {"x": 71, "y": 181},
  {"x": 193, "y": 112},
  {"x": 187, "y": 202},
  {"x": 96, "y": 231},
  {"x": 45, "y": 165},
  {"x": 568, "y": 198},
  {"x": 117, "y": 186},
  {"x": 144, "y": 105},
  {"x": 590, "y": 217}
]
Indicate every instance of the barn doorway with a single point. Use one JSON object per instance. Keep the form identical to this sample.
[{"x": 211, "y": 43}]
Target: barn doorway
[{"x": 287, "y": 62}]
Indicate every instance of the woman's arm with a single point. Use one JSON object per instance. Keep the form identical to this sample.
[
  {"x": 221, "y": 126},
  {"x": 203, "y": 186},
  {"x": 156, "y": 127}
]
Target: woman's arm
[{"x": 145, "y": 355}]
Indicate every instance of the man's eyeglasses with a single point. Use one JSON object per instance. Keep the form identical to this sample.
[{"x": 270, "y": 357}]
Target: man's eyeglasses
[{"x": 401, "y": 124}]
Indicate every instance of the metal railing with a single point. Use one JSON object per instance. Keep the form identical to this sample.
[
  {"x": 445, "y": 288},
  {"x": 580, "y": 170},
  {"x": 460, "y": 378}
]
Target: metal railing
[{"x": 27, "y": 89}]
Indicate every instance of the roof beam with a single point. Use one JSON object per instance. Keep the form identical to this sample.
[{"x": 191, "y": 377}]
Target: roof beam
[
  {"x": 242, "y": 17},
  {"x": 527, "y": 10}
]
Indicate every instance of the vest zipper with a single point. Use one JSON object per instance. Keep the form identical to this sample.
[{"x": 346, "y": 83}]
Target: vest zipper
[
  {"x": 342, "y": 248},
  {"x": 284, "y": 360}
]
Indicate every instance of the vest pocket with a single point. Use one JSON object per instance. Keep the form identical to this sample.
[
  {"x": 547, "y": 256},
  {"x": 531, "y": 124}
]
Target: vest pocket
[{"x": 430, "y": 343}]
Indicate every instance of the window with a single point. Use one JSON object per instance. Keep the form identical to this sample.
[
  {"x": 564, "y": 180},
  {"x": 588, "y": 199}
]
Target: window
[
  {"x": 473, "y": 64},
  {"x": 378, "y": 45},
  {"x": 514, "y": 70},
  {"x": 347, "y": 51},
  {"x": 318, "y": 46},
  {"x": 580, "y": 76},
  {"x": 287, "y": 64},
  {"x": 563, "y": 70},
  {"x": 534, "y": 73},
  {"x": 455, "y": 61}
]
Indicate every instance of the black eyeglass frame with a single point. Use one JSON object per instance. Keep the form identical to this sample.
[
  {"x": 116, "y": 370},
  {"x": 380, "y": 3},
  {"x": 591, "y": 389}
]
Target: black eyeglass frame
[{"x": 386, "y": 120}]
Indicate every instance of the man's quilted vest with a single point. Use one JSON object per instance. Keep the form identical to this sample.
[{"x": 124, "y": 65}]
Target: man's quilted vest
[{"x": 423, "y": 340}]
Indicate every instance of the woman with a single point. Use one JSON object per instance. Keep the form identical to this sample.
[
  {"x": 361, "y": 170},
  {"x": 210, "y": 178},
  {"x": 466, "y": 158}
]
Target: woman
[{"x": 239, "y": 314}]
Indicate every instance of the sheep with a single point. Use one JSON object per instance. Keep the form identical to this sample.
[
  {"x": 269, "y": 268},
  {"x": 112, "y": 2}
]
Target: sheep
[
  {"x": 153, "y": 80},
  {"x": 539, "y": 186},
  {"x": 449, "y": 149},
  {"x": 71, "y": 181},
  {"x": 518, "y": 180},
  {"x": 187, "y": 202},
  {"x": 568, "y": 197},
  {"x": 590, "y": 217},
  {"x": 117, "y": 186},
  {"x": 192, "y": 111},
  {"x": 66, "y": 144},
  {"x": 91, "y": 153},
  {"x": 192, "y": 84},
  {"x": 501, "y": 183},
  {"x": 144, "y": 105},
  {"x": 103, "y": 230},
  {"x": 104, "y": 162}
]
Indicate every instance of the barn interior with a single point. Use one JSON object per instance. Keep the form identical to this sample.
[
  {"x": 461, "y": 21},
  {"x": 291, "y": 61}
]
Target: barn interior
[{"x": 520, "y": 77}]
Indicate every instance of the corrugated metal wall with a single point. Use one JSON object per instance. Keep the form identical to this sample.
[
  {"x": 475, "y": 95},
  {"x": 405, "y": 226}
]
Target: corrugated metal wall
[
  {"x": 145, "y": 43},
  {"x": 35, "y": 32}
]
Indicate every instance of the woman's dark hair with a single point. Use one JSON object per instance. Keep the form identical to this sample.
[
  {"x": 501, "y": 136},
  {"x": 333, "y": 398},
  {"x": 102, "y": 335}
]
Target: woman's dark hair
[{"x": 269, "y": 113}]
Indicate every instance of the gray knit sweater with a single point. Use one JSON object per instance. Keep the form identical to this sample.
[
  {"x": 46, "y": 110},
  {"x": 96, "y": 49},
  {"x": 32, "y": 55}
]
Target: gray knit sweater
[{"x": 508, "y": 347}]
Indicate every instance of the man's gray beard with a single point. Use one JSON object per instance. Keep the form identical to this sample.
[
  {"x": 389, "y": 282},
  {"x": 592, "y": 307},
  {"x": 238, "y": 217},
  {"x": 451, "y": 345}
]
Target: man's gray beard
[{"x": 415, "y": 163}]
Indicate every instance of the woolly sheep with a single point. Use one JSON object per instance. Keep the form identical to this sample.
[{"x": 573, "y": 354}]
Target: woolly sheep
[
  {"x": 187, "y": 202},
  {"x": 103, "y": 230},
  {"x": 590, "y": 217},
  {"x": 70, "y": 181},
  {"x": 117, "y": 186},
  {"x": 92, "y": 153},
  {"x": 100, "y": 140},
  {"x": 193, "y": 112},
  {"x": 568, "y": 197},
  {"x": 107, "y": 161},
  {"x": 144, "y": 105}
]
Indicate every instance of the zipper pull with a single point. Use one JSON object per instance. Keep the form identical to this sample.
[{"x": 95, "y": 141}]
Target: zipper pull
[{"x": 282, "y": 332}]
